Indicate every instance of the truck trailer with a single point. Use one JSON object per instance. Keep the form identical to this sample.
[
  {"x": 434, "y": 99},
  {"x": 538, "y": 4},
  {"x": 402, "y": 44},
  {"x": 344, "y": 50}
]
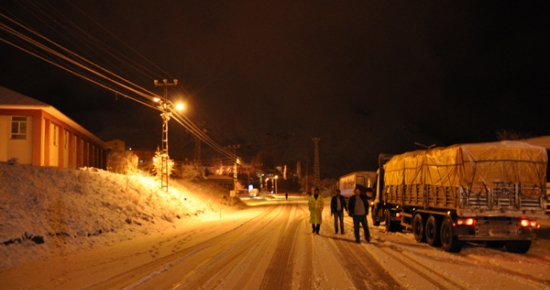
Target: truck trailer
[
  {"x": 487, "y": 192},
  {"x": 360, "y": 179}
]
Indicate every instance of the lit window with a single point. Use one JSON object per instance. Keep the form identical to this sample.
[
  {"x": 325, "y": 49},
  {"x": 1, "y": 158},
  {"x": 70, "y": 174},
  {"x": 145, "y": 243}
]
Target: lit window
[{"x": 19, "y": 128}]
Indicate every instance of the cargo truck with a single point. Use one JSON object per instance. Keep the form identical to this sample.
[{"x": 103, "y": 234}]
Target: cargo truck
[
  {"x": 361, "y": 179},
  {"x": 488, "y": 192}
]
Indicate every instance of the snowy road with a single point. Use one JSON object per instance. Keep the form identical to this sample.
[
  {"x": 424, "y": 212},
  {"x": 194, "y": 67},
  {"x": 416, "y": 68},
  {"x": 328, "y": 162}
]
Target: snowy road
[{"x": 272, "y": 247}]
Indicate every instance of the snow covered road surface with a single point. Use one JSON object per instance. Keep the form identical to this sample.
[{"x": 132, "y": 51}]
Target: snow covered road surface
[{"x": 272, "y": 247}]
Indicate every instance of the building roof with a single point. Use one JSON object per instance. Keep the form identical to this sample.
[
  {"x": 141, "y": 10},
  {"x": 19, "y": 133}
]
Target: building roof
[
  {"x": 14, "y": 100},
  {"x": 11, "y": 98}
]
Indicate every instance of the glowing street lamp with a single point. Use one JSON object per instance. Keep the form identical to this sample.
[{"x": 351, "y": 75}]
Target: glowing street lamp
[{"x": 266, "y": 188}]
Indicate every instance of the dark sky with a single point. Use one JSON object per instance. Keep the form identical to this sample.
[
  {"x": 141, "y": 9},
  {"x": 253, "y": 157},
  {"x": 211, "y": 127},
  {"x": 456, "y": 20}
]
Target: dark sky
[{"x": 367, "y": 77}]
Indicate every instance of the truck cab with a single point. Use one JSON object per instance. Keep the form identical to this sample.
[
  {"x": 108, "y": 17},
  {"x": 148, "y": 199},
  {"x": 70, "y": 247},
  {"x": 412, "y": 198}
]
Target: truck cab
[{"x": 380, "y": 212}]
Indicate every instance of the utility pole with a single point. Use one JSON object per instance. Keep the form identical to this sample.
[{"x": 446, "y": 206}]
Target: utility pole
[
  {"x": 233, "y": 149},
  {"x": 316, "y": 172},
  {"x": 165, "y": 115}
]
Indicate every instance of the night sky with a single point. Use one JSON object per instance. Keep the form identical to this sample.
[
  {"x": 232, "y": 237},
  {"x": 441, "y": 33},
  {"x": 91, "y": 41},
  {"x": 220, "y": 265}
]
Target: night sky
[{"x": 367, "y": 77}]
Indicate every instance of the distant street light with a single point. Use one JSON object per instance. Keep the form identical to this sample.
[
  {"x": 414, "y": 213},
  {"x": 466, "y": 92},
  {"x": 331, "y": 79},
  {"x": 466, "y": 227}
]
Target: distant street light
[{"x": 266, "y": 188}]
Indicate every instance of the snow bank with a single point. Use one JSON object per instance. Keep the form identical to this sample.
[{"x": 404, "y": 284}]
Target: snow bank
[{"x": 48, "y": 211}]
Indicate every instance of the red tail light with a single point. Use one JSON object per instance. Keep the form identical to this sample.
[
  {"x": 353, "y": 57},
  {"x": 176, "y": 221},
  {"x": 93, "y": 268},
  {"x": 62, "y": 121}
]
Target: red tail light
[
  {"x": 529, "y": 223},
  {"x": 524, "y": 223},
  {"x": 397, "y": 215},
  {"x": 466, "y": 222}
]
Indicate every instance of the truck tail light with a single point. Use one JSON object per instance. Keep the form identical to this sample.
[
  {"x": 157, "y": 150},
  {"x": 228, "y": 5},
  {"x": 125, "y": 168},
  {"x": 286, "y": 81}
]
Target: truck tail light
[
  {"x": 466, "y": 222},
  {"x": 529, "y": 223},
  {"x": 397, "y": 215},
  {"x": 524, "y": 223}
]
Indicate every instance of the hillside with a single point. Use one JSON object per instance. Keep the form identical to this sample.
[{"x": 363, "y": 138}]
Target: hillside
[{"x": 51, "y": 211}]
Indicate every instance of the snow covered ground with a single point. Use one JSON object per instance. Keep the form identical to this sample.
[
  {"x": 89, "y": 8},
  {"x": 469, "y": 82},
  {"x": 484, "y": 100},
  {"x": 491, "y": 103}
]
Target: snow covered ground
[
  {"x": 46, "y": 212},
  {"x": 179, "y": 240}
]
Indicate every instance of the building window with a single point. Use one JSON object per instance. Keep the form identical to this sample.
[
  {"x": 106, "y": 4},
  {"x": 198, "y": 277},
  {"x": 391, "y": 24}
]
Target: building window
[{"x": 19, "y": 128}]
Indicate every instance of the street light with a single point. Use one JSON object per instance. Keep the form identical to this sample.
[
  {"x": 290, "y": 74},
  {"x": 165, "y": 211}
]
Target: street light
[{"x": 266, "y": 188}]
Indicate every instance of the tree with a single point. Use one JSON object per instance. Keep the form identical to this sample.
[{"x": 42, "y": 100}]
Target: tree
[
  {"x": 511, "y": 135},
  {"x": 123, "y": 162}
]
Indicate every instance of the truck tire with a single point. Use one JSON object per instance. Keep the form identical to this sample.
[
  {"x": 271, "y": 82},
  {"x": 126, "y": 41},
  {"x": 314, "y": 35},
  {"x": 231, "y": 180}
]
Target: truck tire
[
  {"x": 375, "y": 217},
  {"x": 418, "y": 228},
  {"x": 432, "y": 231},
  {"x": 520, "y": 247},
  {"x": 449, "y": 241}
]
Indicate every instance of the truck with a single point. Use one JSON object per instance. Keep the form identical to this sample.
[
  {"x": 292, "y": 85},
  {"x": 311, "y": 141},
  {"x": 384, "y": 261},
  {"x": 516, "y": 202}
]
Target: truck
[
  {"x": 361, "y": 179},
  {"x": 486, "y": 192}
]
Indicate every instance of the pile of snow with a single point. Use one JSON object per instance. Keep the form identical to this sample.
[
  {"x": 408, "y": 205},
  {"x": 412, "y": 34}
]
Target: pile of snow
[{"x": 48, "y": 211}]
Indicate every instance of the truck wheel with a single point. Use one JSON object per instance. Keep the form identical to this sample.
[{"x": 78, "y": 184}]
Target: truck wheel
[
  {"x": 432, "y": 232},
  {"x": 449, "y": 241},
  {"x": 418, "y": 228},
  {"x": 520, "y": 247},
  {"x": 375, "y": 217}
]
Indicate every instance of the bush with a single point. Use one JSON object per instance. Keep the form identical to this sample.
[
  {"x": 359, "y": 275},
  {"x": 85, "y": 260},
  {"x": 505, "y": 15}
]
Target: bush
[
  {"x": 123, "y": 162},
  {"x": 191, "y": 172}
]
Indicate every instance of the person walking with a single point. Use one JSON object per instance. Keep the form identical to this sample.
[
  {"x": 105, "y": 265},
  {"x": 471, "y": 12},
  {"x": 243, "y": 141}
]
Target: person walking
[
  {"x": 316, "y": 205},
  {"x": 358, "y": 209},
  {"x": 337, "y": 207}
]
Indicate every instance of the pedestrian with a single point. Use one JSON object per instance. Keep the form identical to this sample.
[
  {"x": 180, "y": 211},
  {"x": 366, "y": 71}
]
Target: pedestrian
[
  {"x": 337, "y": 207},
  {"x": 316, "y": 205},
  {"x": 286, "y": 196},
  {"x": 358, "y": 209}
]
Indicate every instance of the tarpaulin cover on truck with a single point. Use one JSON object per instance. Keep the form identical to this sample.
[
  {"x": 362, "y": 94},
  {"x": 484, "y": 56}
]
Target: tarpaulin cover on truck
[{"x": 464, "y": 165}]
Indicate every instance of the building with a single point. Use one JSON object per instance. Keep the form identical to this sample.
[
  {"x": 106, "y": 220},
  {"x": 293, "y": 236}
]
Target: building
[
  {"x": 116, "y": 145},
  {"x": 38, "y": 134}
]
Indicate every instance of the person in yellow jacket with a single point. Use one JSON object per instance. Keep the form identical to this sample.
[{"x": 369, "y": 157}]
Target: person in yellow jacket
[{"x": 316, "y": 205}]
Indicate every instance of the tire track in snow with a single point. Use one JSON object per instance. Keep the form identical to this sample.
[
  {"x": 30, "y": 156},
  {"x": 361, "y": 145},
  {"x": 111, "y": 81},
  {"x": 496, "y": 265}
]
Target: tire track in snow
[
  {"x": 471, "y": 261},
  {"x": 440, "y": 281},
  {"x": 225, "y": 255},
  {"x": 279, "y": 271},
  {"x": 363, "y": 270},
  {"x": 144, "y": 273},
  {"x": 305, "y": 247}
]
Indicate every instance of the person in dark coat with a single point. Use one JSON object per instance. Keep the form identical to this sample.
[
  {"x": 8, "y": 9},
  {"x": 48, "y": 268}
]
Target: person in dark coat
[
  {"x": 358, "y": 208},
  {"x": 337, "y": 207}
]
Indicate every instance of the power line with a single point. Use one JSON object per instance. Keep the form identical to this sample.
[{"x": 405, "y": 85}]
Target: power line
[{"x": 131, "y": 87}]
